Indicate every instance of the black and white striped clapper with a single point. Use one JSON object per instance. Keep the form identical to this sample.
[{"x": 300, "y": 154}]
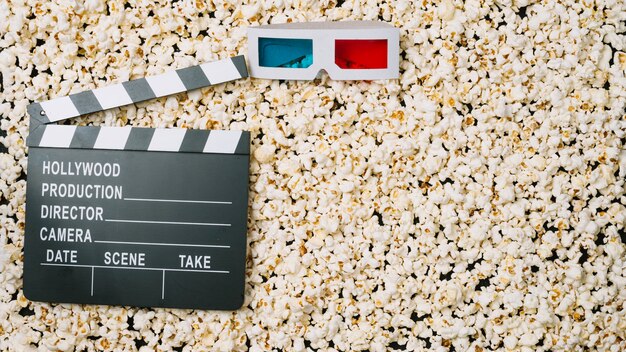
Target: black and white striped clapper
[{"x": 149, "y": 217}]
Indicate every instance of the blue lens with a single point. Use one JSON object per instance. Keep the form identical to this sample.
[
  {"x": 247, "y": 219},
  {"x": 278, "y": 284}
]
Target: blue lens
[{"x": 283, "y": 52}]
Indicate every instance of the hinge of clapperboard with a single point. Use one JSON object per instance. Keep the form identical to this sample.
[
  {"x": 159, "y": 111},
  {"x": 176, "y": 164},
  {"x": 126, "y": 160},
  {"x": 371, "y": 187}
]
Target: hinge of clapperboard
[{"x": 43, "y": 132}]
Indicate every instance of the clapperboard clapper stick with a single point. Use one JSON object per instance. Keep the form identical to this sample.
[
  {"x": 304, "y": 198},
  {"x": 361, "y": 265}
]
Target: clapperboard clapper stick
[{"x": 146, "y": 217}]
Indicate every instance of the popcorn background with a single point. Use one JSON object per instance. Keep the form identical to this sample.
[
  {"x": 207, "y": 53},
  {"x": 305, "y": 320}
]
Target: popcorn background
[{"x": 476, "y": 203}]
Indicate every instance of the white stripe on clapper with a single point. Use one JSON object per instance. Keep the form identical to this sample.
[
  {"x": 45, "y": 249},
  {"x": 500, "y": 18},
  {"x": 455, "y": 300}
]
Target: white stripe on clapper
[
  {"x": 112, "y": 96},
  {"x": 112, "y": 137},
  {"x": 220, "y": 71},
  {"x": 167, "y": 140},
  {"x": 59, "y": 108},
  {"x": 166, "y": 84},
  {"x": 222, "y": 142},
  {"x": 57, "y": 136}
]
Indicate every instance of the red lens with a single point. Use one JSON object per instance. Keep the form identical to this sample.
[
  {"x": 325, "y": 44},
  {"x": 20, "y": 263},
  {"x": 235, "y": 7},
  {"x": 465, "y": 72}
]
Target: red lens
[{"x": 361, "y": 53}]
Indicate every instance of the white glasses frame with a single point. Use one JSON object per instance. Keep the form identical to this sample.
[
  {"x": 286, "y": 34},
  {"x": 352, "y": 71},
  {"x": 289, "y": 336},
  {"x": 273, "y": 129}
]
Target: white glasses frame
[{"x": 324, "y": 35}]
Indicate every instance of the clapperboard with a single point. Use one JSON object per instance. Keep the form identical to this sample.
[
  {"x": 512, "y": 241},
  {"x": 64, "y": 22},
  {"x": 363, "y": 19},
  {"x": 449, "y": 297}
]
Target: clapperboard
[{"x": 145, "y": 217}]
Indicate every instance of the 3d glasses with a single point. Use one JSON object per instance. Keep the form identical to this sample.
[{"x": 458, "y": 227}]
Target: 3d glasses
[{"x": 352, "y": 50}]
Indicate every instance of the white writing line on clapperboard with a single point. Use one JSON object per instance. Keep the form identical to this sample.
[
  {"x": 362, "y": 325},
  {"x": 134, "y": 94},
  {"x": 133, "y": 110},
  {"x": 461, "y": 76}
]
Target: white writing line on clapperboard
[
  {"x": 177, "y": 201},
  {"x": 136, "y": 268},
  {"x": 92, "y": 269},
  {"x": 165, "y": 244},
  {"x": 173, "y": 222},
  {"x": 168, "y": 222}
]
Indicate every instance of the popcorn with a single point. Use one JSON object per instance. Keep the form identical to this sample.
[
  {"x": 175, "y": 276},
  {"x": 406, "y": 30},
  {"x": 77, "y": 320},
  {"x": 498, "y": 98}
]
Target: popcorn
[
  {"x": 264, "y": 153},
  {"x": 480, "y": 195}
]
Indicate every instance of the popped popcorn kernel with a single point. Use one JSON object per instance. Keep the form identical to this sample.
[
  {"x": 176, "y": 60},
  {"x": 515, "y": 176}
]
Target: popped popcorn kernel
[{"x": 476, "y": 203}]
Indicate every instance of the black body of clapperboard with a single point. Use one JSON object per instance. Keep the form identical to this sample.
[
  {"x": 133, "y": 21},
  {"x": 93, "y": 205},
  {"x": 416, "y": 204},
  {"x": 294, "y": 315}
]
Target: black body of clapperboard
[{"x": 136, "y": 216}]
